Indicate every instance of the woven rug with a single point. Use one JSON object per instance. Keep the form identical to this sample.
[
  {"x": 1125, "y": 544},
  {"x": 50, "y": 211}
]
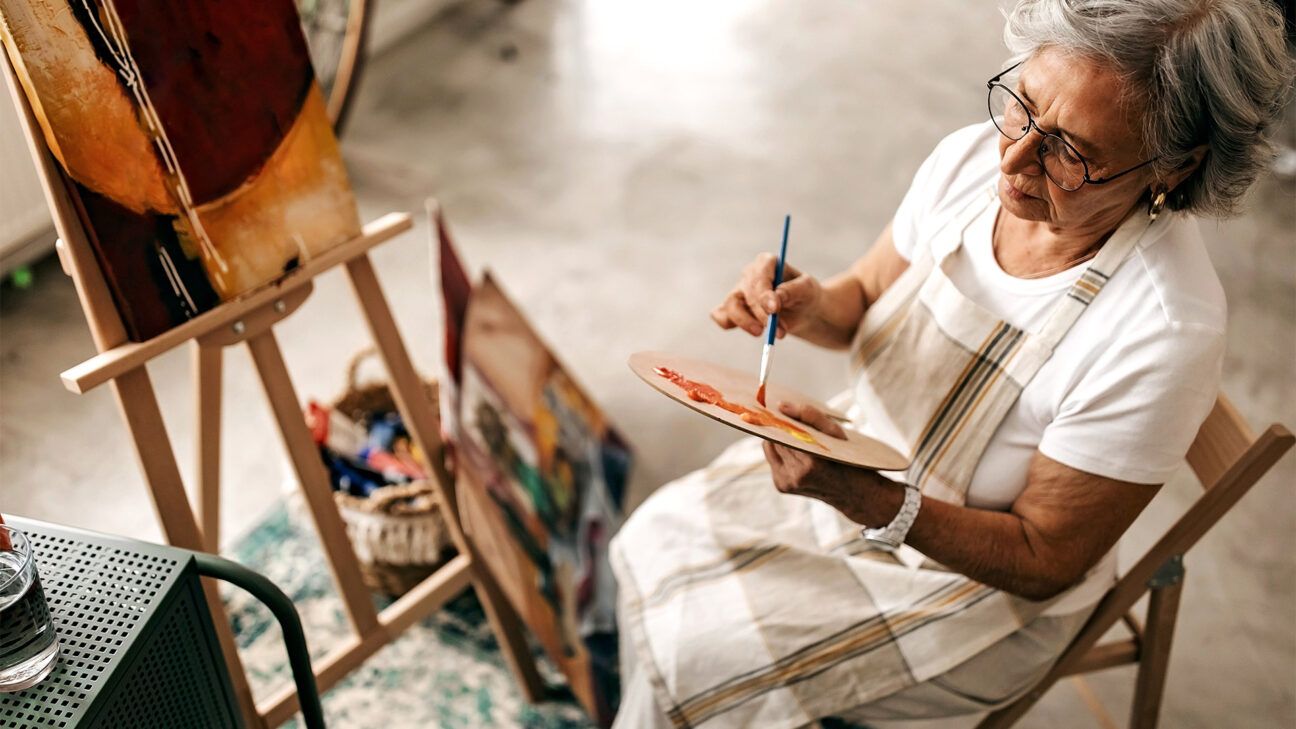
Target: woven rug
[{"x": 446, "y": 671}]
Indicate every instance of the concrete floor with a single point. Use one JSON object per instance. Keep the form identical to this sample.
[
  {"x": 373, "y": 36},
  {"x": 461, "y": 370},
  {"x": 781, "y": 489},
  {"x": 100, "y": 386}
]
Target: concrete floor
[{"x": 615, "y": 164}]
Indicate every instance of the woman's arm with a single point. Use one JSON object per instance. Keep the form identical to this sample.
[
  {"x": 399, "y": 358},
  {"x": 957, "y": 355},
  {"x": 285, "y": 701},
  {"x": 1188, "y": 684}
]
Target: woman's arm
[
  {"x": 848, "y": 295},
  {"x": 1056, "y": 530},
  {"x": 824, "y": 314}
]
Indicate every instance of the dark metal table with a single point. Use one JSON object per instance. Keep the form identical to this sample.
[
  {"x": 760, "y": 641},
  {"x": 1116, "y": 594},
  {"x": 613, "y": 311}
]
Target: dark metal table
[{"x": 138, "y": 647}]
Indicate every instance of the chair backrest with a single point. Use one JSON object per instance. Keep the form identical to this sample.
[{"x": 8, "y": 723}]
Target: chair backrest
[
  {"x": 1221, "y": 441},
  {"x": 1228, "y": 460}
]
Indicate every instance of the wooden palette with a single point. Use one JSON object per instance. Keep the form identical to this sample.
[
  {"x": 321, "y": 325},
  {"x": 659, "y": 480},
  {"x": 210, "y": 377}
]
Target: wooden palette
[{"x": 739, "y": 389}]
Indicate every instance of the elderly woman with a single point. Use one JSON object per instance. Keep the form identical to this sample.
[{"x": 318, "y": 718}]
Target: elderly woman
[{"x": 1039, "y": 327}]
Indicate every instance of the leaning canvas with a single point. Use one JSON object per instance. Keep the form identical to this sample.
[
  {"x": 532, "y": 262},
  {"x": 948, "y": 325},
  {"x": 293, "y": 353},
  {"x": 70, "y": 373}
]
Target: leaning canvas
[
  {"x": 192, "y": 140},
  {"x": 542, "y": 474}
]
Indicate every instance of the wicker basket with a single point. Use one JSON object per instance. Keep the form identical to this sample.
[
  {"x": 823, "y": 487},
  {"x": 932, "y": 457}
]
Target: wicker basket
[{"x": 398, "y": 532}]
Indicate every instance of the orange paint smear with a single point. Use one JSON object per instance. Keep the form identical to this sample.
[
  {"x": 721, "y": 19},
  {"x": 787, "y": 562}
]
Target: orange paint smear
[
  {"x": 702, "y": 392},
  {"x": 760, "y": 394}
]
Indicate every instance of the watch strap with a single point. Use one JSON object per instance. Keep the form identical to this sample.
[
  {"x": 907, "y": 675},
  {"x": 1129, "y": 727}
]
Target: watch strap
[{"x": 890, "y": 537}]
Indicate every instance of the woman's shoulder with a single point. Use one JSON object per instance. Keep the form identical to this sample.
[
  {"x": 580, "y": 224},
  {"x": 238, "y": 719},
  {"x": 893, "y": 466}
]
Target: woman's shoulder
[
  {"x": 1142, "y": 366},
  {"x": 962, "y": 165},
  {"x": 1163, "y": 309},
  {"x": 1172, "y": 274},
  {"x": 973, "y": 145}
]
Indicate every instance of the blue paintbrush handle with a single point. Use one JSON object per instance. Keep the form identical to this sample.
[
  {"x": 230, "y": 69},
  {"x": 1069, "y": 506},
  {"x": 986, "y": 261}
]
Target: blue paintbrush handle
[{"x": 772, "y": 328}]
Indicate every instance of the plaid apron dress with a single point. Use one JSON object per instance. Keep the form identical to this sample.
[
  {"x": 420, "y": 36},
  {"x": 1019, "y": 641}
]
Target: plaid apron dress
[{"x": 750, "y": 608}]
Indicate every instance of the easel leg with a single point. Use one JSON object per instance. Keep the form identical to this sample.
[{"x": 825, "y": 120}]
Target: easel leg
[
  {"x": 406, "y": 387},
  {"x": 506, "y": 624},
  {"x": 314, "y": 482},
  {"x": 416, "y": 410},
  {"x": 207, "y": 406},
  {"x": 139, "y": 408}
]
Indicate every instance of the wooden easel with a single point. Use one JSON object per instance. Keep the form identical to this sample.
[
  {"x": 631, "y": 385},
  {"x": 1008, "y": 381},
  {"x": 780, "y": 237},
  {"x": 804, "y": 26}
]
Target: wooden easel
[{"x": 250, "y": 320}]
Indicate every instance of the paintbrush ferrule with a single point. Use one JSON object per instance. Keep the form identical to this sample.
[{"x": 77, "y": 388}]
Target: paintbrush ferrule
[{"x": 765, "y": 362}]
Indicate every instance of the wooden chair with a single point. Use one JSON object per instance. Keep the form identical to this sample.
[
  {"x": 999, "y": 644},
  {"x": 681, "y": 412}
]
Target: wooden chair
[{"x": 1228, "y": 460}]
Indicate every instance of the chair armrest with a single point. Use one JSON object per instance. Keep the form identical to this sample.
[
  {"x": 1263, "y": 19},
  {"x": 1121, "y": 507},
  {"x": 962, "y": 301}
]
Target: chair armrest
[{"x": 282, "y": 607}]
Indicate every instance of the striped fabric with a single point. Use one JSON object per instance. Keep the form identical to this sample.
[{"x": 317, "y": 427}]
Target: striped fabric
[
  {"x": 978, "y": 378},
  {"x": 750, "y": 608},
  {"x": 1087, "y": 286},
  {"x": 758, "y": 609}
]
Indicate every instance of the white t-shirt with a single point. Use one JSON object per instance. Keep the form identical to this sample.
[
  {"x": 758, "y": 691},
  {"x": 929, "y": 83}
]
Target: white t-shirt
[{"x": 1127, "y": 388}]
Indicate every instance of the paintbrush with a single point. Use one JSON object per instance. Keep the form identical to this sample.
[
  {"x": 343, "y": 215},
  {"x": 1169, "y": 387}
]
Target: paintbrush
[{"x": 771, "y": 328}]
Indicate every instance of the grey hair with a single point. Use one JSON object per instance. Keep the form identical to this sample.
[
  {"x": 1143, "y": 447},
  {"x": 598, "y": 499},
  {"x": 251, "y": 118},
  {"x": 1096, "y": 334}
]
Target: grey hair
[{"x": 1212, "y": 72}]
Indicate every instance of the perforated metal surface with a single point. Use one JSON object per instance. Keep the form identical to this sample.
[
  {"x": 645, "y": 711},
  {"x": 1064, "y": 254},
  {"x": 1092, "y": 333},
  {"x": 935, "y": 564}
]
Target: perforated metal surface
[
  {"x": 171, "y": 685},
  {"x": 136, "y": 647}
]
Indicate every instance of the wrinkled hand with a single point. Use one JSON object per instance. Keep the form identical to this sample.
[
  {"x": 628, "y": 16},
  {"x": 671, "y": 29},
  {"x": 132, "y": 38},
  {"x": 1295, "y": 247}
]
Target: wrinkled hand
[
  {"x": 845, "y": 488},
  {"x": 754, "y": 298}
]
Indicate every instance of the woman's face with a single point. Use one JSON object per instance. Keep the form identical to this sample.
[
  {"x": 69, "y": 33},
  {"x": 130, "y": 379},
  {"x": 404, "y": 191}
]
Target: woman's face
[{"x": 1082, "y": 101}]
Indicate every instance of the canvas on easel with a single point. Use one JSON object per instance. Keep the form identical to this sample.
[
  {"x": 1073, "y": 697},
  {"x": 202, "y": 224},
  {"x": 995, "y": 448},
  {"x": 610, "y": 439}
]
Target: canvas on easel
[
  {"x": 192, "y": 139},
  {"x": 542, "y": 475}
]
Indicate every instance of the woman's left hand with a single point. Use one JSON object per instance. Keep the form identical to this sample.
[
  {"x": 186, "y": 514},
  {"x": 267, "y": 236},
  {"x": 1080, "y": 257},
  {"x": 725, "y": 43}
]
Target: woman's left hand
[{"x": 845, "y": 488}]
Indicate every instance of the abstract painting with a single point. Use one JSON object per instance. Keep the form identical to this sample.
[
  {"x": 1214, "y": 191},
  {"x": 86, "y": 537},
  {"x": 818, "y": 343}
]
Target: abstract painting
[
  {"x": 542, "y": 478},
  {"x": 193, "y": 142}
]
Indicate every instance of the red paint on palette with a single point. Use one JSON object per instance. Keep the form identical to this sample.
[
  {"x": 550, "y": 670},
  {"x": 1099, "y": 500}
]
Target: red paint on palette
[{"x": 704, "y": 393}]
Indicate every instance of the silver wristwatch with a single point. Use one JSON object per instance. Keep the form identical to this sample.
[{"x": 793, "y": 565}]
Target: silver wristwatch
[{"x": 890, "y": 537}]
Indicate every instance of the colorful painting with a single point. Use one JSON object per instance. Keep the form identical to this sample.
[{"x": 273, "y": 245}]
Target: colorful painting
[
  {"x": 192, "y": 139},
  {"x": 543, "y": 476}
]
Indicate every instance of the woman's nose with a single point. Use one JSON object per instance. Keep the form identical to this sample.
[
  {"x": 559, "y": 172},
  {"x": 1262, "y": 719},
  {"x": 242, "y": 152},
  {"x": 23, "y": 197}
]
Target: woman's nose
[{"x": 1021, "y": 157}]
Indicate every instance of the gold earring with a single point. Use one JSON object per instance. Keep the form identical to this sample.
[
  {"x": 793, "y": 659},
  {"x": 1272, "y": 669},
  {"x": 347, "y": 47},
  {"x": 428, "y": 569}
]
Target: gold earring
[{"x": 1158, "y": 202}]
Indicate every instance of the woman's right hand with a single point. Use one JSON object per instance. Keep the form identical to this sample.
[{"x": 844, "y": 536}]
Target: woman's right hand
[{"x": 754, "y": 298}]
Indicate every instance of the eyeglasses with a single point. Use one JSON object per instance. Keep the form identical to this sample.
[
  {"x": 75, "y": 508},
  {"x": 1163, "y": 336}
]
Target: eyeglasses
[{"x": 1065, "y": 166}]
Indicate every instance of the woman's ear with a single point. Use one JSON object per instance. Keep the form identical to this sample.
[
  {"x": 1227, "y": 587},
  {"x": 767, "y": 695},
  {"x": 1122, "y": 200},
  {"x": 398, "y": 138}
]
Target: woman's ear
[{"x": 1190, "y": 166}]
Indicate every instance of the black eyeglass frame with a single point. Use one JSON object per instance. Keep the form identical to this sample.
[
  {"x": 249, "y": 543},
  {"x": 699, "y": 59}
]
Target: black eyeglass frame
[{"x": 1045, "y": 135}]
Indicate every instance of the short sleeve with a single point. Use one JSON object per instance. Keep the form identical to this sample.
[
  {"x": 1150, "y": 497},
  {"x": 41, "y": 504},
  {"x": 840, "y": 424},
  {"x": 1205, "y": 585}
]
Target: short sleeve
[
  {"x": 1134, "y": 414},
  {"x": 915, "y": 207},
  {"x": 959, "y": 166}
]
